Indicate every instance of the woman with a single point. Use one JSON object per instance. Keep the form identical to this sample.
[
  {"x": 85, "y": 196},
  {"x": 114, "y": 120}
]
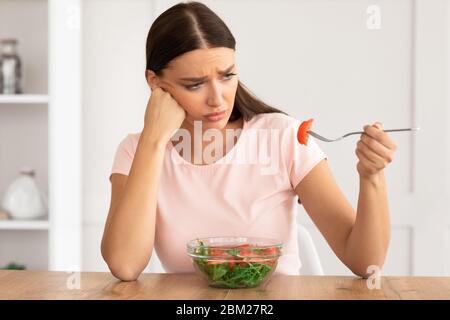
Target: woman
[{"x": 162, "y": 198}]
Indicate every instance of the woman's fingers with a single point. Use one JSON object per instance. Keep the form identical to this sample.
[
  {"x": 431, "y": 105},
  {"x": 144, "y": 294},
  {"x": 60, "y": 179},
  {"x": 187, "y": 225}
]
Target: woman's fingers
[
  {"x": 376, "y": 132},
  {"x": 370, "y": 155},
  {"x": 375, "y": 149}
]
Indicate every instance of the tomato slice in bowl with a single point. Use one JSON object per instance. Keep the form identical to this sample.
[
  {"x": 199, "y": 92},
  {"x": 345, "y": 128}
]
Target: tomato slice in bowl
[{"x": 243, "y": 255}]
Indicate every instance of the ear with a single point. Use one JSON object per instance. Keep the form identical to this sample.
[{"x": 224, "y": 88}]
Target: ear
[{"x": 152, "y": 79}]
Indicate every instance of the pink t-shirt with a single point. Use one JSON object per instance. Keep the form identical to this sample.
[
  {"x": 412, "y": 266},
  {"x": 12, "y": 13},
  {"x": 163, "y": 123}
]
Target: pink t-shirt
[{"x": 239, "y": 195}]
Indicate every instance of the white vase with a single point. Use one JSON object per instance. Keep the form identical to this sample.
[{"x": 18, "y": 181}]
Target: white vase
[{"x": 22, "y": 199}]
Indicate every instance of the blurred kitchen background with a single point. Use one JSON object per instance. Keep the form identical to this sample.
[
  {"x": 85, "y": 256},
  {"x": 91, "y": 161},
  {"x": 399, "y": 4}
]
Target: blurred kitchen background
[{"x": 345, "y": 63}]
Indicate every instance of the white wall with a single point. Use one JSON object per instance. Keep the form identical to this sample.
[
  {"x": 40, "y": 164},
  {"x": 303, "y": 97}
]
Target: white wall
[
  {"x": 114, "y": 100},
  {"x": 447, "y": 135},
  {"x": 312, "y": 59}
]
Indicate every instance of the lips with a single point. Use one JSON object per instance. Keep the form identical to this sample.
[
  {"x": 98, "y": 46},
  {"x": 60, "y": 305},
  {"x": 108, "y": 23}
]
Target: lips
[{"x": 215, "y": 114}]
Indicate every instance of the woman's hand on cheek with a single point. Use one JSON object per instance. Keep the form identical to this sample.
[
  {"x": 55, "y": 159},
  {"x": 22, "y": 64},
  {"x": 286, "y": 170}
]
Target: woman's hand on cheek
[
  {"x": 375, "y": 150},
  {"x": 163, "y": 115}
]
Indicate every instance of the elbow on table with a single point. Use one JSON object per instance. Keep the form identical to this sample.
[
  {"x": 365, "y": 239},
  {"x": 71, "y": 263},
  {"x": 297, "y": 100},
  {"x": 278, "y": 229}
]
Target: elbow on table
[
  {"x": 120, "y": 270},
  {"x": 363, "y": 275},
  {"x": 121, "y": 267},
  {"x": 366, "y": 272},
  {"x": 124, "y": 273}
]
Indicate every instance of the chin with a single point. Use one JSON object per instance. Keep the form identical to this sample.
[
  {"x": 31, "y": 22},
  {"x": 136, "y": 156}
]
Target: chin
[
  {"x": 215, "y": 125},
  {"x": 221, "y": 124}
]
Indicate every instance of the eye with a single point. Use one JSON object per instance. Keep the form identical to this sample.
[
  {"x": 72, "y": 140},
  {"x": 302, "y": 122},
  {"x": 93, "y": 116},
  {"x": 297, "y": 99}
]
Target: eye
[
  {"x": 193, "y": 87},
  {"x": 230, "y": 75}
]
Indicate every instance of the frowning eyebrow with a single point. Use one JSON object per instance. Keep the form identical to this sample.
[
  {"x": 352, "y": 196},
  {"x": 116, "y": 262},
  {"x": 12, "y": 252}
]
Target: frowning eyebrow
[{"x": 193, "y": 79}]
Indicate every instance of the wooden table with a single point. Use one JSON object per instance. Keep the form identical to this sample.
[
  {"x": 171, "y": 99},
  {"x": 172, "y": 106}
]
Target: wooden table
[{"x": 98, "y": 285}]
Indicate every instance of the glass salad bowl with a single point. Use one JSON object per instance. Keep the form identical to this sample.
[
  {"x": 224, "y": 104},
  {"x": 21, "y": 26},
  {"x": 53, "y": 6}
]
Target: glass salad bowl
[{"x": 234, "y": 262}]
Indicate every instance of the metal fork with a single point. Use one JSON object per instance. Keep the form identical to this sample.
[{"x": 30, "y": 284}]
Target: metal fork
[{"x": 318, "y": 136}]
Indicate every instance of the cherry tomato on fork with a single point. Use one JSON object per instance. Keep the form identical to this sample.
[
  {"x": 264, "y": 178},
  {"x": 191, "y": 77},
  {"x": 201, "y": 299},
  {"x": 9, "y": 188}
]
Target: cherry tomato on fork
[{"x": 302, "y": 133}]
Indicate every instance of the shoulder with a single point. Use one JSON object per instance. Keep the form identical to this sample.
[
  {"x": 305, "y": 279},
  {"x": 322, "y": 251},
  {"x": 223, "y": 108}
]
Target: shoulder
[
  {"x": 125, "y": 154},
  {"x": 129, "y": 142}
]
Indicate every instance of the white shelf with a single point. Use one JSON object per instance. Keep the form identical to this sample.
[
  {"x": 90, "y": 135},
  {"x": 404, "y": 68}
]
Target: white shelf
[
  {"x": 51, "y": 54},
  {"x": 24, "y": 224},
  {"x": 23, "y": 98}
]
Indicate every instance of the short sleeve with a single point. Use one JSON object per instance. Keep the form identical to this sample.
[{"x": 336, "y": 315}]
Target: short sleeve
[
  {"x": 124, "y": 156},
  {"x": 299, "y": 159}
]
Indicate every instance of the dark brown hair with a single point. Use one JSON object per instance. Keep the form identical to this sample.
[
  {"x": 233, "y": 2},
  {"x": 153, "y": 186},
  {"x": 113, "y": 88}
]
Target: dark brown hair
[{"x": 189, "y": 26}]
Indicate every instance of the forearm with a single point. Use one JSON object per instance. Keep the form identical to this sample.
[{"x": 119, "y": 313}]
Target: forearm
[
  {"x": 129, "y": 235},
  {"x": 368, "y": 241}
]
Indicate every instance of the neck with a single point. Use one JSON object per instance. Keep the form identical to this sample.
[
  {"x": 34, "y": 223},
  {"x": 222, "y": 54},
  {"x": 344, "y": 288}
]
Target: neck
[{"x": 198, "y": 144}]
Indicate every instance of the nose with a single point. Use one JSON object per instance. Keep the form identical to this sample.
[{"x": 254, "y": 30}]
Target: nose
[{"x": 215, "y": 98}]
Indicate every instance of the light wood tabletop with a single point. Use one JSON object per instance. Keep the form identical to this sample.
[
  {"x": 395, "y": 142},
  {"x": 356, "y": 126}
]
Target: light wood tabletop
[{"x": 15, "y": 284}]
